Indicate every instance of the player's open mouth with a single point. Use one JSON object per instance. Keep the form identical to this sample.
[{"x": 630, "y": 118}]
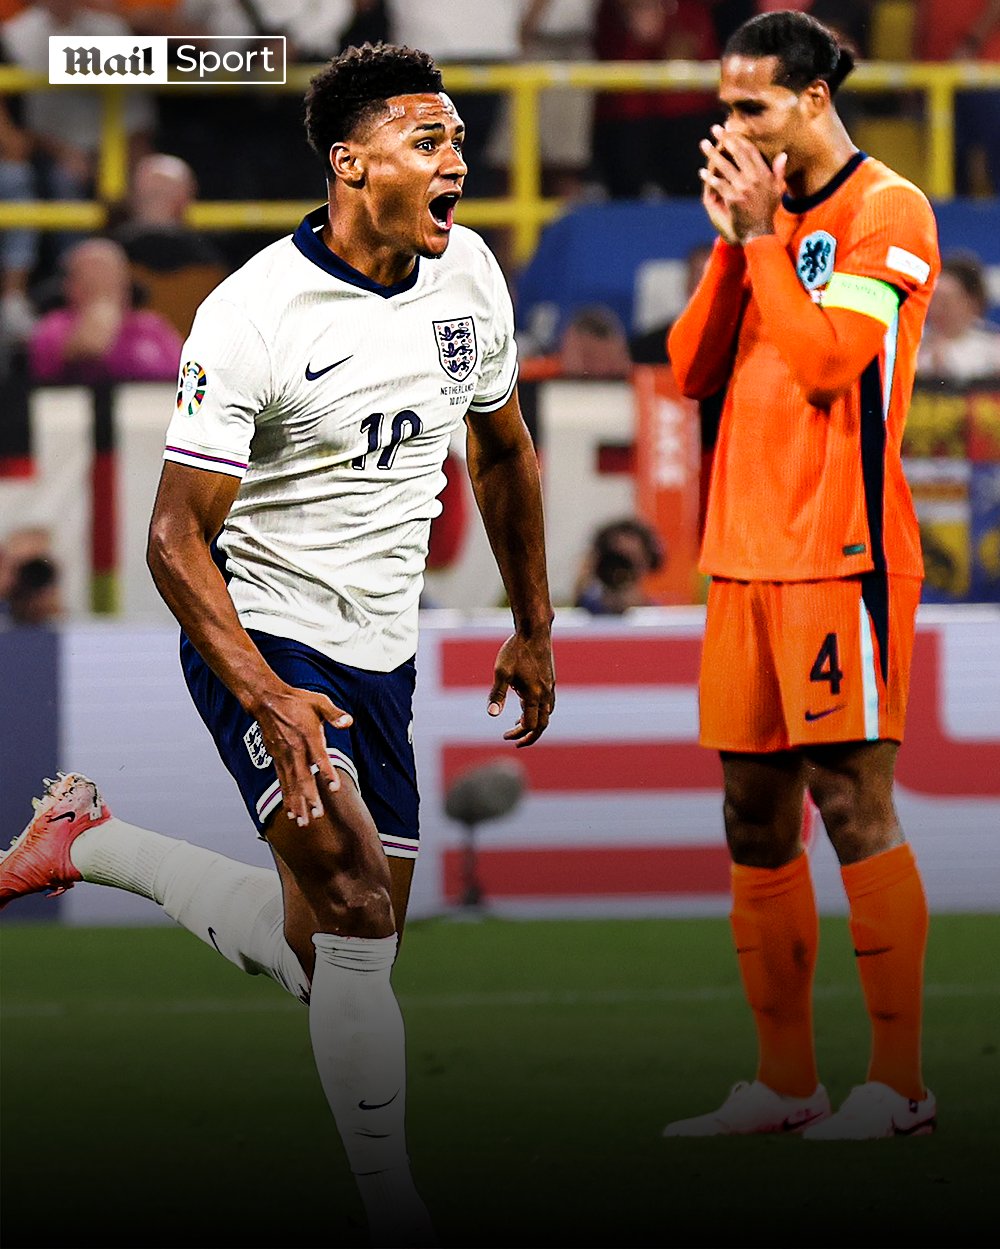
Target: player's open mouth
[{"x": 442, "y": 209}]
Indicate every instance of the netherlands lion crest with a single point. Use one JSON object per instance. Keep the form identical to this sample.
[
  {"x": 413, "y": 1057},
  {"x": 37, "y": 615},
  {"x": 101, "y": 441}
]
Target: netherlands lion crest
[
  {"x": 457, "y": 349},
  {"x": 817, "y": 252}
]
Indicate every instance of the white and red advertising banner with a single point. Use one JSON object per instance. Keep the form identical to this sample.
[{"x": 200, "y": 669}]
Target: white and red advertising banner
[{"x": 622, "y": 813}]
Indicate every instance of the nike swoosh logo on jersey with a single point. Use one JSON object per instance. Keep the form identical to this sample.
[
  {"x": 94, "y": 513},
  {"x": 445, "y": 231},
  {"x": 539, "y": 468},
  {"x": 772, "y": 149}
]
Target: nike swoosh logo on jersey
[
  {"x": 311, "y": 376},
  {"x": 879, "y": 949},
  {"x": 818, "y": 715},
  {"x": 211, "y": 937},
  {"x": 66, "y": 815}
]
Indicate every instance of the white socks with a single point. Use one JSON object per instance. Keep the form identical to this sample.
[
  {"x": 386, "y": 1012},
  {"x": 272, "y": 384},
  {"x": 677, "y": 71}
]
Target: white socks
[
  {"x": 354, "y": 1020},
  {"x": 232, "y": 906},
  {"x": 359, "y": 1047},
  {"x": 120, "y": 855}
]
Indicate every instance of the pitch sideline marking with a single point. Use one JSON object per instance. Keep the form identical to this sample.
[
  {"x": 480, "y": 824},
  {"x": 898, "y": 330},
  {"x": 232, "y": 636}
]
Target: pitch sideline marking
[{"x": 457, "y": 1001}]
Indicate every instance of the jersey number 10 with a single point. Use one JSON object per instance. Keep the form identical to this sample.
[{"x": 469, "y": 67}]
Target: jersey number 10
[{"x": 405, "y": 424}]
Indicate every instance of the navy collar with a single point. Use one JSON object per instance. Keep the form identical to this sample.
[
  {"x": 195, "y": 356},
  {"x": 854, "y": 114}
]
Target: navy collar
[
  {"x": 839, "y": 178},
  {"x": 308, "y": 239}
]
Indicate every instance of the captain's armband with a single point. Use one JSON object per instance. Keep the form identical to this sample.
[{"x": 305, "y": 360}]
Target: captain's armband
[{"x": 868, "y": 296}]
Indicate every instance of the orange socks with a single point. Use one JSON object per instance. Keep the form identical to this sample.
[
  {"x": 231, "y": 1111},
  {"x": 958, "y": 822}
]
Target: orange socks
[
  {"x": 777, "y": 933},
  {"x": 889, "y": 927}
]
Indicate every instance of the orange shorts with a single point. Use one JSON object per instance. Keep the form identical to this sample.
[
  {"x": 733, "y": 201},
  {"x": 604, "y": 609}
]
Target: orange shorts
[{"x": 796, "y": 663}]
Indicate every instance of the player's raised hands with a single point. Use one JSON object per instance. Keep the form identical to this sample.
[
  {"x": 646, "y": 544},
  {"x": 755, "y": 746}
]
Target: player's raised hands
[
  {"x": 524, "y": 664},
  {"x": 739, "y": 182},
  {"x": 291, "y": 725},
  {"x": 715, "y": 206}
]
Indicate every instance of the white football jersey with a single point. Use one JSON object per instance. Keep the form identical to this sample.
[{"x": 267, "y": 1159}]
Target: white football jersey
[{"x": 334, "y": 399}]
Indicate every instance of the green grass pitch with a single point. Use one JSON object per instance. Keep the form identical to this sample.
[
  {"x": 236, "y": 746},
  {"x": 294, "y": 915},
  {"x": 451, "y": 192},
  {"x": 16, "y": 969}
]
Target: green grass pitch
[{"x": 154, "y": 1096}]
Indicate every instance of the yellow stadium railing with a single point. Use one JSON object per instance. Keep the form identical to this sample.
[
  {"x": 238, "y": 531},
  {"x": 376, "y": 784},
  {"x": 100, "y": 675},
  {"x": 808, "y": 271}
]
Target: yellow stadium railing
[{"x": 524, "y": 210}]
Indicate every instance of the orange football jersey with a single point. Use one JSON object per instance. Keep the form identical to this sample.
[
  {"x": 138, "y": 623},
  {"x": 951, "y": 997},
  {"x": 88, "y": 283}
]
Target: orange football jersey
[{"x": 807, "y": 484}]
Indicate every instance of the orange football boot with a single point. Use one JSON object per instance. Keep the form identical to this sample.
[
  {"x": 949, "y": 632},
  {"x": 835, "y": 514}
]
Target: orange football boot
[{"x": 39, "y": 858}]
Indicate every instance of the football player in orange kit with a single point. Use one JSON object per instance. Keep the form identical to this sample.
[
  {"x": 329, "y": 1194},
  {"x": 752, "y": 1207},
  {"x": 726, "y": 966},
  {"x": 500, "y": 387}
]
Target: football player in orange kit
[{"x": 812, "y": 307}]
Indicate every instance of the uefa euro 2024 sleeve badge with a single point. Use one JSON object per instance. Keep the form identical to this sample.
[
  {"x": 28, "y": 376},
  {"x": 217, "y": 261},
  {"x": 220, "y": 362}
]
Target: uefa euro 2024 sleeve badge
[
  {"x": 457, "y": 349},
  {"x": 817, "y": 252},
  {"x": 191, "y": 387}
]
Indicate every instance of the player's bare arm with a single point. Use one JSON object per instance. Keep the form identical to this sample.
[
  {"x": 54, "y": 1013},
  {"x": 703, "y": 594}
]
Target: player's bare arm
[
  {"x": 191, "y": 506},
  {"x": 505, "y": 480}
]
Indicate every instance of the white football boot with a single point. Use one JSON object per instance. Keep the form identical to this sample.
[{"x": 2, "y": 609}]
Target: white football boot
[
  {"x": 753, "y": 1108},
  {"x": 874, "y": 1111}
]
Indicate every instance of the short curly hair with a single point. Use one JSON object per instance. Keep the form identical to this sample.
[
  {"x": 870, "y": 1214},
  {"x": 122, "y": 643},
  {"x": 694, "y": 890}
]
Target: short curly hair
[
  {"x": 807, "y": 50},
  {"x": 352, "y": 89}
]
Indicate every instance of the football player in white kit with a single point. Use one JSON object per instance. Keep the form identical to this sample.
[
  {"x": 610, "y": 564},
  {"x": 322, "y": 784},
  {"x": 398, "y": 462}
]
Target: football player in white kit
[{"x": 319, "y": 388}]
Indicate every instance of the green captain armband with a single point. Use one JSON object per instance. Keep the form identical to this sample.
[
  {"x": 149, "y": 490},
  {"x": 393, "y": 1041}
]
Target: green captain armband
[{"x": 866, "y": 295}]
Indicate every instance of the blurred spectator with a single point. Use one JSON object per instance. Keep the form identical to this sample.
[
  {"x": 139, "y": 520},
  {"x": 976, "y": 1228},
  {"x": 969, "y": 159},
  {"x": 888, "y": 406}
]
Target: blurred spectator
[
  {"x": 49, "y": 141},
  {"x": 967, "y": 30},
  {"x": 25, "y": 558},
  {"x": 559, "y": 30},
  {"x": 593, "y": 345},
  {"x": 149, "y": 17},
  {"x": 958, "y": 344},
  {"x": 315, "y": 29},
  {"x": 255, "y": 142},
  {"x": 18, "y": 248},
  {"x": 34, "y": 597},
  {"x": 621, "y": 554},
  {"x": 646, "y": 142},
  {"x": 21, "y": 544},
  {"x": 474, "y": 32},
  {"x": 650, "y": 347},
  {"x": 64, "y": 126},
  {"x": 99, "y": 336},
  {"x": 173, "y": 263},
  {"x": 154, "y": 233}
]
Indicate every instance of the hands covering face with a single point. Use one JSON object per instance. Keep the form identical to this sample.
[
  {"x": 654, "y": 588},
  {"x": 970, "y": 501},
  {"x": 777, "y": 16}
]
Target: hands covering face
[{"x": 741, "y": 191}]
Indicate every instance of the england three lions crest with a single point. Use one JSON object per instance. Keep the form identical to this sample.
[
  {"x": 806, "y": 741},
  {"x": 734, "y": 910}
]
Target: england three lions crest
[{"x": 457, "y": 349}]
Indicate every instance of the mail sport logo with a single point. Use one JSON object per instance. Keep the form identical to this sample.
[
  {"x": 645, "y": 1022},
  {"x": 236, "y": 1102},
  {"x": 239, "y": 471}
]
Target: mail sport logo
[
  {"x": 456, "y": 344},
  {"x": 191, "y": 387}
]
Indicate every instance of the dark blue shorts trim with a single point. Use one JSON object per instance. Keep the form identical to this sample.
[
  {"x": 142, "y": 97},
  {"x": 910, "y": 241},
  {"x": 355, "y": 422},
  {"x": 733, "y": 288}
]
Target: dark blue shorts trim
[{"x": 376, "y": 751}]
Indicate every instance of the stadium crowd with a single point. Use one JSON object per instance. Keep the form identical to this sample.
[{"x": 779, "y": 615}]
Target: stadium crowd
[
  {"x": 116, "y": 308},
  {"x": 595, "y": 145}
]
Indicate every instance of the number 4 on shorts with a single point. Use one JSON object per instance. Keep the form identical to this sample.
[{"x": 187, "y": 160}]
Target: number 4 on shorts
[{"x": 826, "y": 666}]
